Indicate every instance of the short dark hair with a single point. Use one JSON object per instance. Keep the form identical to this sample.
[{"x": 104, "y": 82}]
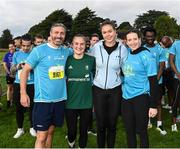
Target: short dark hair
[
  {"x": 94, "y": 35},
  {"x": 11, "y": 42},
  {"x": 149, "y": 29},
  {"x": 108, "y": 22},
  {"x": 17, "y": 38},
  {"x": 26, "y": 37},
  {"x": 38, "y": 36}
]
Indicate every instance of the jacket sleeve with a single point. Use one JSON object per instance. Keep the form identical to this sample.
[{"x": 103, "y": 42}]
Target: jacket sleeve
[{"x": 154, "y": 91}]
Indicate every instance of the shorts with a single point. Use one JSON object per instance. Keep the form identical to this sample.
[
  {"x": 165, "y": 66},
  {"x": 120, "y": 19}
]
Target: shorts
[
  {"x": 47, "y": 114},
  {"x": 9, "y": 80}
]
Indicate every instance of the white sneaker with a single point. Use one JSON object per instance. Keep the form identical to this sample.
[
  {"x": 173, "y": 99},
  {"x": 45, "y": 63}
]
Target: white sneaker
[
  {"x": 19, "y": 133},
  {"x": 150, "y": 125},
  {"x": 32, "y": 132},
  {"x": 161, "y": 130},
  {"x": 167, "y": 107},
  {"x": 174, "y": 128}
]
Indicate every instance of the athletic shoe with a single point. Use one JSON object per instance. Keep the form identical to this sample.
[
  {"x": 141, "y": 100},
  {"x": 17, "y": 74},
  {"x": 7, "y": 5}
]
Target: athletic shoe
[
  {"x": 150, "y": 125},
  {"x": 161, "y": 130},
  {"x": 92, "y": 131},
  {"x": 167, "y": 107},
  {"x": 66, "y": 136},
  {"x": 178, "y": 118},
  {"x": 174, "y": 128},
  {"x": 71, "y": 145},
  {"x": 32, "y": 132},
  {"x": 170, "y": 111},
  {"x": 19, "y": 133}
]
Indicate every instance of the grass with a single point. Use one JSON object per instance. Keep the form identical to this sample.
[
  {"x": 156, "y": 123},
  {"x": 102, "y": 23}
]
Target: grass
[{"x": 8, "y": 129}]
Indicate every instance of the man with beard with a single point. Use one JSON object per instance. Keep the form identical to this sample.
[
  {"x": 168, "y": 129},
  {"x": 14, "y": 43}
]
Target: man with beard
[{"x": 48, "y": 62}]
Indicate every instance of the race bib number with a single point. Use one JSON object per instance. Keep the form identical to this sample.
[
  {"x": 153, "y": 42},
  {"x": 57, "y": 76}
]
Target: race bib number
[
  {"x": 56, "y": 72},
  {"x": 19, "y": 74}
]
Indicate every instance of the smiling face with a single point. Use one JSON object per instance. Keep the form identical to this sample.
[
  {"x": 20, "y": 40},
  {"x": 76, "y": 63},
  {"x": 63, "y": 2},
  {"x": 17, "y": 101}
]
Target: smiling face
[
  {"x": 79, "y": 46},
  {"x": 57, "y": 35},
  {"x": 133, "y": 41},
  {"x": 108, "y": 33}
]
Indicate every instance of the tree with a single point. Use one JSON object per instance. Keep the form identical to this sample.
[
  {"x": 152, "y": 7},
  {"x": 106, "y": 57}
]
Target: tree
[
  {"x": 147, "y": 19},
  {"x": 86, "y": 22},
  {"x": 165, "y": 25},
  {"x": 124, "y": 27},
  {"x": 58, "y": 16},
  {"x": 5, "y": 38}
]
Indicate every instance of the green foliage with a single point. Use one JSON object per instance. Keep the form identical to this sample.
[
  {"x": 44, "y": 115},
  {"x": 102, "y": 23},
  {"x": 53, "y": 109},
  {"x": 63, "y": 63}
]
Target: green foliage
[
  {"x": 124, "y": 27},
  {"x": 166, "y": 25},
  {"x": 58, "y": 16},
  {"x": 5, "y": 38},
  {"x": 86, "y": 22},
  {"x": 147, "y": 19}
]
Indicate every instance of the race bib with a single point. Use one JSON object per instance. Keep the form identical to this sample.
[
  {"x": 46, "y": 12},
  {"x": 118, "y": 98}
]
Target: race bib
[
  {"x": 56, "y": 72},
  {"x": 19, "y": 74}
]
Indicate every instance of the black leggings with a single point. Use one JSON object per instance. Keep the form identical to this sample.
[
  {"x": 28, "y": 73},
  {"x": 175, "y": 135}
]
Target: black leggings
[
  {"x": 19, "y": 108},
  {"x": 107, "y": 107},
  {"x": 135, "y": 117},
  {"x": 72, "y": 119},
  {"x": 176, "y": 100}
]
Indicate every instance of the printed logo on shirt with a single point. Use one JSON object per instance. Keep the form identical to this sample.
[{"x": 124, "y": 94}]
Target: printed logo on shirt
[
  {"x": 128, "y": 70},
  {"x": 86, "y": 67},
  {"x": 56, "y": 72},
  {"x": 70, "y": 67},
  {"x": 86, "y": 76}
]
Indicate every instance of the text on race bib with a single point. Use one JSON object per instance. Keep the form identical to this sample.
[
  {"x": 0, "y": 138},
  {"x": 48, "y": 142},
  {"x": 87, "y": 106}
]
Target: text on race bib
[{"x": 56, "y": 72}]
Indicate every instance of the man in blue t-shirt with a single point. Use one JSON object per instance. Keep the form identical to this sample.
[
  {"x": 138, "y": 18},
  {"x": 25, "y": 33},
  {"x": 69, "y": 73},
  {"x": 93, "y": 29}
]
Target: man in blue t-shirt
[
  {"x": 159, "y": 54},
  {"x": 7, "y": 63},
  {"x": 48, "y": 62},
  {"x": 175, "y": 65},
  {"x": 19, "y": 59}
]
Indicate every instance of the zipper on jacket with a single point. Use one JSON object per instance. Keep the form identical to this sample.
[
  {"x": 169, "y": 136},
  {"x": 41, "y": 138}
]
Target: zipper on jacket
[
  {"x": 107, "y": 71},
  {"x": 101, "y": 54}
]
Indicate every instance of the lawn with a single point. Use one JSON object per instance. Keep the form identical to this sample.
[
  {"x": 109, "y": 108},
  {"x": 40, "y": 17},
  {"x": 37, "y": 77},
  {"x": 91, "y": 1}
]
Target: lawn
[{"x": 8, "y": 129}]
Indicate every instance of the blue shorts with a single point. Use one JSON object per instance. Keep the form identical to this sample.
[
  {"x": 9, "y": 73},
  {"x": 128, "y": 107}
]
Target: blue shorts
[{"x": 47, "y": 114}]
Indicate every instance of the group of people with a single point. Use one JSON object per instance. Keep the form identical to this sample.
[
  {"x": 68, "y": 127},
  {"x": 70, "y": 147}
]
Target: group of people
[{"x": 107, "y": 78}]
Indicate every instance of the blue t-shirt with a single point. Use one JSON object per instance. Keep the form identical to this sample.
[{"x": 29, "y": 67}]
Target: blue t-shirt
[
  {"x": 159, "y": 54},
  {"x": 137, "y": 68},
  {"x": 8, "y": 60},
  {"x": 20, "y": 57},
  {"x": 49, "y": 77},
  {"x": 175, "y": 50}
]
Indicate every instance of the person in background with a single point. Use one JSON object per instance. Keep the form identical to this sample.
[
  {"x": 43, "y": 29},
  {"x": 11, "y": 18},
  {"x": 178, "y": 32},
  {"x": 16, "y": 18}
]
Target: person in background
[
  {"x": 17, "y": 43},
  {"x": 38, "y": 40},
  {"x": 175, "y": 65},
  {"x": 140, "y": 90},
  {"x": 109, "y": 55},
  {"x": 168, "y": 74},
  {"x": 19, "y": 60},
  {"x": 91, "y": 130},
  {"x": 7, "y": 63},
  {"x": 159, "y": 54}
]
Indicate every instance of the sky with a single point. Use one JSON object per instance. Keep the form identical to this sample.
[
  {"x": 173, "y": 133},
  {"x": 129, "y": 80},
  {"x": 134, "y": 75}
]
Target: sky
[{"x": 20, "y": 15}]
